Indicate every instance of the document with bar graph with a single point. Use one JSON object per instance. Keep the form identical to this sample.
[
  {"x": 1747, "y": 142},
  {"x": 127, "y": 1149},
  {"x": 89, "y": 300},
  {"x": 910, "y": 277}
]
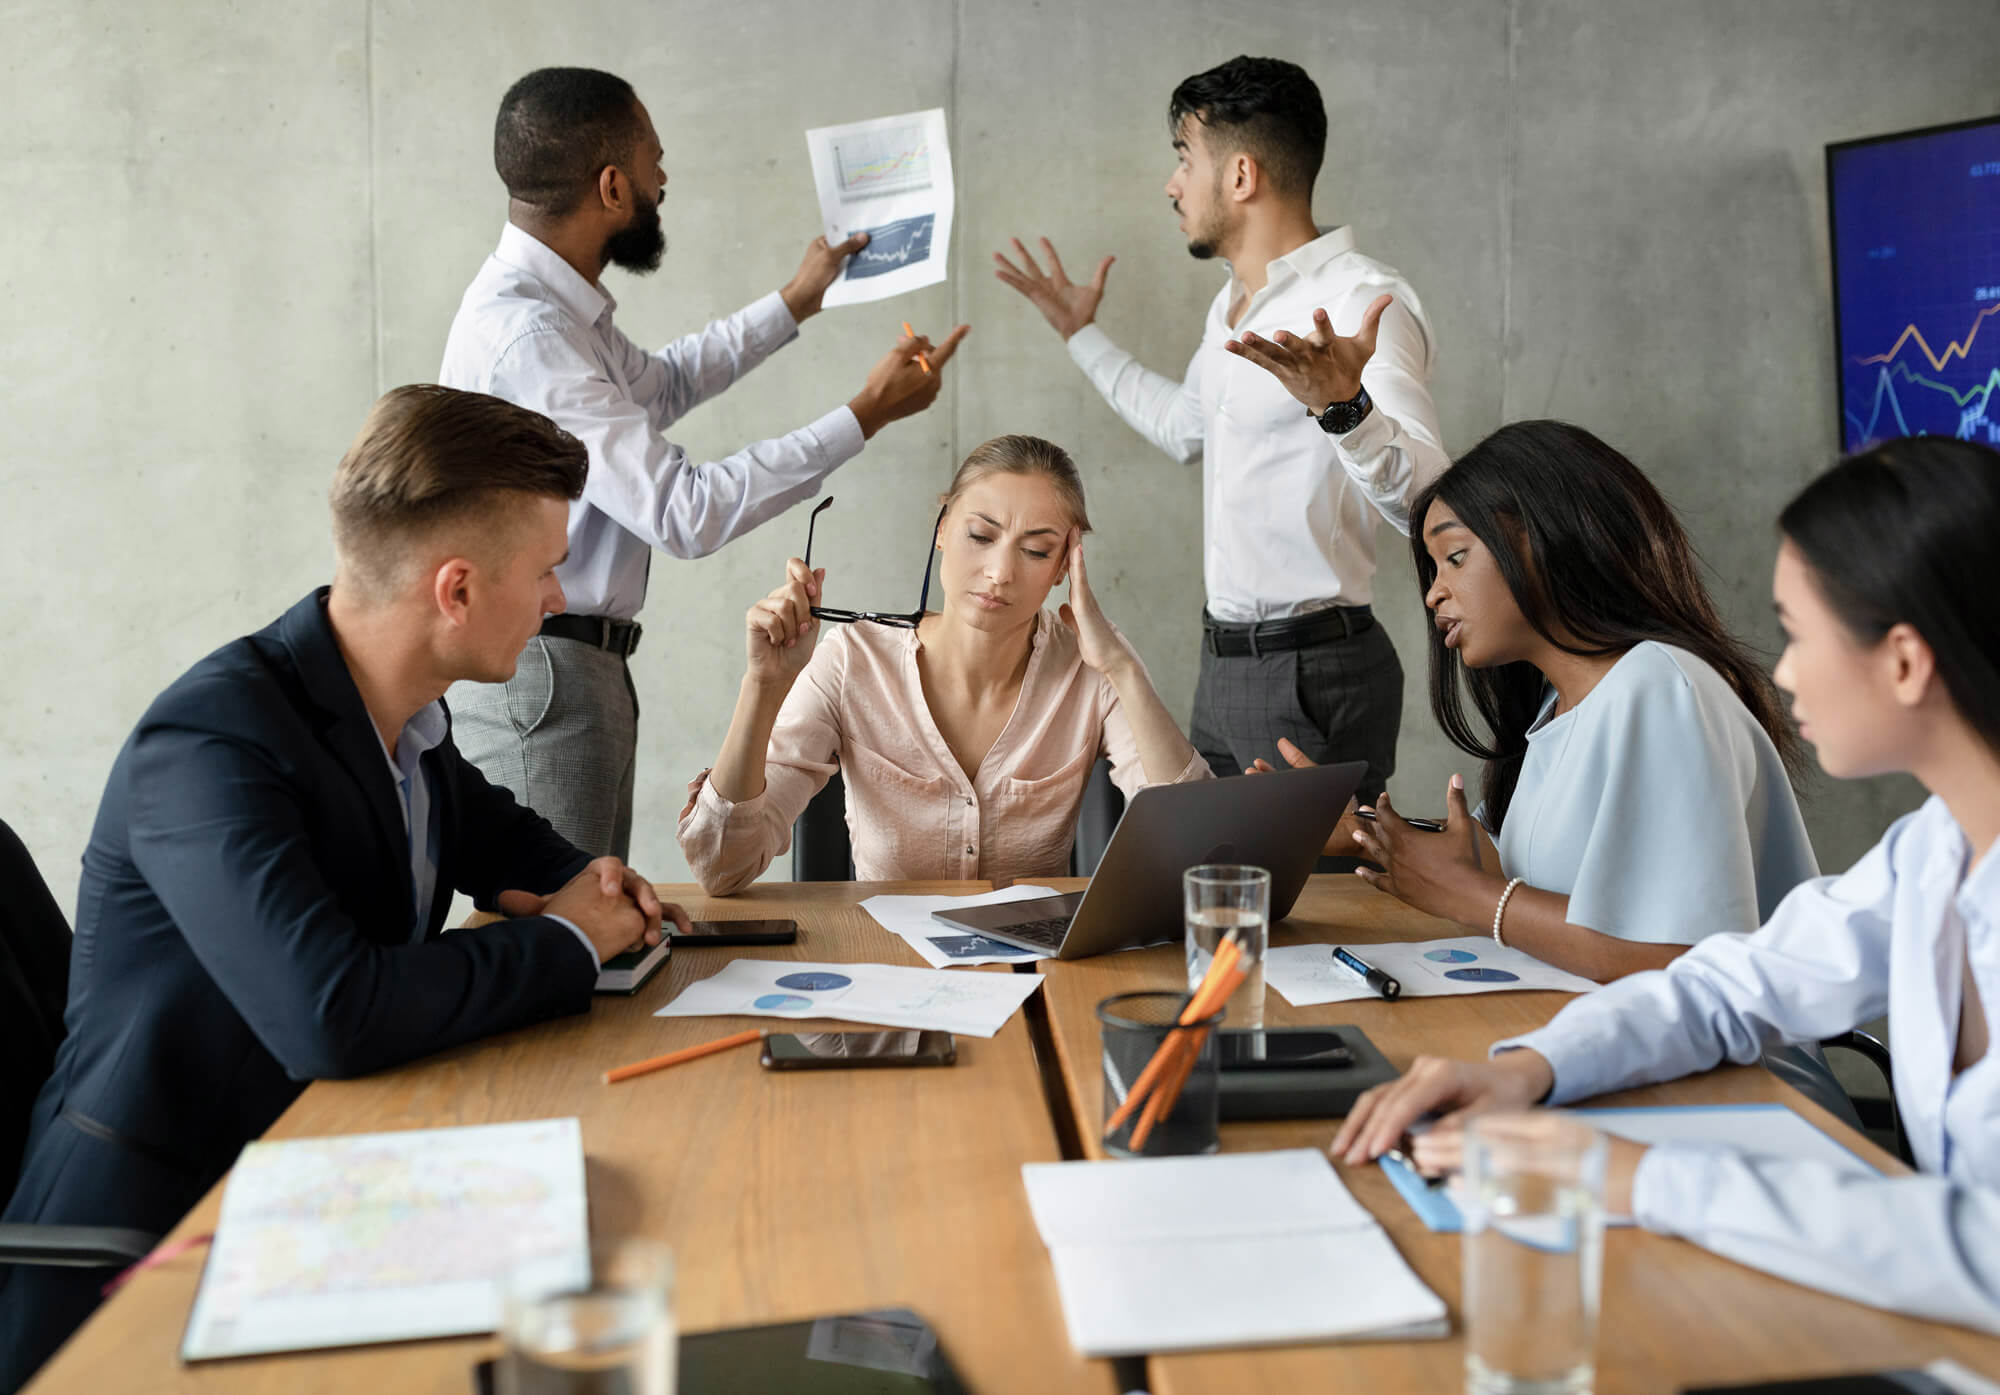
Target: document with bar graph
[{"x": 889, "y": 178}]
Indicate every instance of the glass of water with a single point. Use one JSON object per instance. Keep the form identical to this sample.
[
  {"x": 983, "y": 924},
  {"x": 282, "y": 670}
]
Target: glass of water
[
  {"x": 608, "y": 1332},
  {"x": 1533, "y": 1249},
  {"x": 1220, "y": 899}
]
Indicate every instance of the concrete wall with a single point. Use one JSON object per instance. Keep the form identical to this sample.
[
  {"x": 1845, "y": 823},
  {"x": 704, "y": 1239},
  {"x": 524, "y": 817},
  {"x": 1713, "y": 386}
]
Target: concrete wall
[{"x": 234, "y": 224}]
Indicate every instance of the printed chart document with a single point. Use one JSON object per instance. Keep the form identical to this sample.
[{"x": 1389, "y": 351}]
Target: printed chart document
[
  {"x": 930, "y": 1000},
  {"x": 1309, "y": 974},
  {"x": 889, "y": 178},
  {"x": 910, "y": 918},
  {"x": 1755, "y": 1130},
  {"x": 1242, "y": 1249},
  {"x": 385, "y": 1237}
]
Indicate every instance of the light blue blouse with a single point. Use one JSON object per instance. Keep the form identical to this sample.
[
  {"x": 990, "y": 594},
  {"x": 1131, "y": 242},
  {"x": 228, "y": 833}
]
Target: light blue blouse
[{"x": 1657, "y": 805}]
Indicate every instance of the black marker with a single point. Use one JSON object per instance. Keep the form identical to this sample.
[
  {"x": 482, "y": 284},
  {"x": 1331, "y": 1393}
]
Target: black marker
[{"x": 1375, "y": 978}]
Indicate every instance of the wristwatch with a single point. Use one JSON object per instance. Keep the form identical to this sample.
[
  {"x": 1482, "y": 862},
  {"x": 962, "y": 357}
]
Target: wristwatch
[{"x": 1342, "y": 417}]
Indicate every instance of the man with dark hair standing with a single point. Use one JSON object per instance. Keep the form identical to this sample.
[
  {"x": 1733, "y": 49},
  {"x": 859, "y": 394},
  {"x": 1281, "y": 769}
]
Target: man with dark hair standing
[
  {"x": 581, "y": 162},
  {"x": 1290, "y": 647},
  {"x": 265, "y": 890}
]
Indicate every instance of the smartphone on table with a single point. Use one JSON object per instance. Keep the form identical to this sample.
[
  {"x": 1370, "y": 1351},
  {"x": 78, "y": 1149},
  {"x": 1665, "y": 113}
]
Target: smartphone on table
[
  {"x": 858, "y": 1050},
  {"x": 736, "y": 932}
]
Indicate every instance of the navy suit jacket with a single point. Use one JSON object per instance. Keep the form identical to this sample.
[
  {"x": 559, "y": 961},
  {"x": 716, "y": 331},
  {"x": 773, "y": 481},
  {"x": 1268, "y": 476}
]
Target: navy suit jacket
[{"x": 245, "y": 925}]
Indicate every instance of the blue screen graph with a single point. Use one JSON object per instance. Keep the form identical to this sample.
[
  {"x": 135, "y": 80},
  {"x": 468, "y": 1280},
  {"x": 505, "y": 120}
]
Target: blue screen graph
[{"x": 1916, "y": 283}]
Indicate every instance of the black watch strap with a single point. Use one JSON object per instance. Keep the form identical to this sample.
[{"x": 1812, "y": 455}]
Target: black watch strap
[{"x": 1342, "y": 417}]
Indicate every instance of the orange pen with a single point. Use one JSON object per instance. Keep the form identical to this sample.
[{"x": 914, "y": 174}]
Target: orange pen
[
  {"x": 674, "y": 1058},
  {"x": 922, "y": 362}
]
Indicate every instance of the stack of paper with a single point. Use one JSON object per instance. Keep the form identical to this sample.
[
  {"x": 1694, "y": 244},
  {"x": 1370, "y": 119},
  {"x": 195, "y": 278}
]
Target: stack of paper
[
  {"x": 909, "y": 917},
  {"x": 384, "y": 1237},
  {"x": 930, "y": 1000},
  {"x": 1249, "y": 1249},
  {"x": 1308, "y": 974}
]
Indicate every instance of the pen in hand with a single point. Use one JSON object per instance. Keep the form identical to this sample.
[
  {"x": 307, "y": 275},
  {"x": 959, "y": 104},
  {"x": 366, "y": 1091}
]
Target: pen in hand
[{"x": 922, "y": 362}]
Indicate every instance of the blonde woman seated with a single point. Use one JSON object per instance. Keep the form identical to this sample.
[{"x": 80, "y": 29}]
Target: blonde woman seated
[{"x": 965, "y": 736}]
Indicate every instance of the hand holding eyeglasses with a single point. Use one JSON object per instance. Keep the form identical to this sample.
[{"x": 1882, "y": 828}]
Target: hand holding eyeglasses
[{"x": 779, "y": 630}]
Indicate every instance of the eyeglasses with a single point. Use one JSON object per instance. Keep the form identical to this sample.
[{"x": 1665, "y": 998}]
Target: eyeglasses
[{"x": 849, "y": 617}]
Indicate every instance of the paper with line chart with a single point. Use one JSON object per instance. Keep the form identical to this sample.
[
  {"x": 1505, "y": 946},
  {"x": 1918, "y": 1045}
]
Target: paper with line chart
[
  {"x": 1916, "y": 267},
  {"x": 889, "y": 178}
]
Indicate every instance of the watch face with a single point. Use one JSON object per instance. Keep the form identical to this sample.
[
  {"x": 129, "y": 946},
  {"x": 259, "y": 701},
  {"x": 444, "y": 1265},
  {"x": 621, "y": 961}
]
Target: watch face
[{"x": 1343, "y": 417}]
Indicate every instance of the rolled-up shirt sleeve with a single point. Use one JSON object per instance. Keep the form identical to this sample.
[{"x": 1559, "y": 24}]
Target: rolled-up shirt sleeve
[
  {"x": 729, "y": 844},
  {"x": 1398, "y": 450}
]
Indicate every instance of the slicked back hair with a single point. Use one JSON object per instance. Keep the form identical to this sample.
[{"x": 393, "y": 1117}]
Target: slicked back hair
[
  {"x": 432, "y": 458},
  {"x": 557, "y": 130}
]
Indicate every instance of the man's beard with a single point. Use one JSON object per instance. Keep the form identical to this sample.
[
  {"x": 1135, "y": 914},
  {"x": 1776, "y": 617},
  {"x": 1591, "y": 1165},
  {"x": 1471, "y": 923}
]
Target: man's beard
[
  {"x": 639, "y": 245},
  {"x": 1206, "y": 241}
]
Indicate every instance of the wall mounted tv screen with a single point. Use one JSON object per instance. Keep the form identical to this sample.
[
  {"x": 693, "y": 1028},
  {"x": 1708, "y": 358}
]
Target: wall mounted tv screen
[{"x": 1916, "y": 283}]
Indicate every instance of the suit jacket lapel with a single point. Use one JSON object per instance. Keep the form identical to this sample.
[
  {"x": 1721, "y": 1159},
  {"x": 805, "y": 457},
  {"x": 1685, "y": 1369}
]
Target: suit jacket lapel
[{"x": 350, "y": 734}]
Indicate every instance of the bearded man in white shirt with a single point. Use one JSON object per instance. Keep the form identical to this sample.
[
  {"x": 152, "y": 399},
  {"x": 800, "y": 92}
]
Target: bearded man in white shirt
[
  {"x": 581, "y": 162},
  {"x": 1290, "y": 494}
]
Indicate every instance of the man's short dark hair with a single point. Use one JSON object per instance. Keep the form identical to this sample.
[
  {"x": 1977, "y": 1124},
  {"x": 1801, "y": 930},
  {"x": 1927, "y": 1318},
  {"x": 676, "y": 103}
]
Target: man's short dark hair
[
  {"x": 557, "y": 130},
  {"x": 1265, "y": 108}
]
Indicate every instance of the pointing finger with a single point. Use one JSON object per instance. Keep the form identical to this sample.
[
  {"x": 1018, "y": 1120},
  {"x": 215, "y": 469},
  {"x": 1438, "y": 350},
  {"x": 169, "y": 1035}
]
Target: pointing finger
[{"x": 943, "y": 352}]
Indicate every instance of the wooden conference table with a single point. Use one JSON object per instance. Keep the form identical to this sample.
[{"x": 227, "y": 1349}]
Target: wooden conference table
[{"x": 796, "y": 1196}]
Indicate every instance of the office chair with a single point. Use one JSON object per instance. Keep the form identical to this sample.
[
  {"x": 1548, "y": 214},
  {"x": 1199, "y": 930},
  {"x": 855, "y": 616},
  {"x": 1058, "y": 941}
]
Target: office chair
[
  {"x": 34, "y": 985},
  {"x": 823, "y": 852},
  {"x": 1876, "y": 1116}
]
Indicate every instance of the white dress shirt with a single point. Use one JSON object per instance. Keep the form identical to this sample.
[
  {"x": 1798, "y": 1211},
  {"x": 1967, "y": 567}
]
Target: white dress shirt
[
  {"x": 1895, "y": 933},
  {"x": 531, "y": 330},
  {"x": 1288, "y": 511}
]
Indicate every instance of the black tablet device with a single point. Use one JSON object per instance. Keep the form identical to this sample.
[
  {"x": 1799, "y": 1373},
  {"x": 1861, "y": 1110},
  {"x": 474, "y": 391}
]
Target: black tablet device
[{"x": 885, "y": 1351}]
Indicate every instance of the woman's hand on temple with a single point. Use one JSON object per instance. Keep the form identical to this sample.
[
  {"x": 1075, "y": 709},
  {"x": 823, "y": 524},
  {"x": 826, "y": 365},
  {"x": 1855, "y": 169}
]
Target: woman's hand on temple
[{"x": 1098, "y": 642}]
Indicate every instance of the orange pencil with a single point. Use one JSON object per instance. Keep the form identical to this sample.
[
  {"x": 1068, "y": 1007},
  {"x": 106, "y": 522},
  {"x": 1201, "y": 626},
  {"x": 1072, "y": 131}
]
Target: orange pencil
[
  {"x": 674, "y": 1058},
  {"x": 1203, "y": 1004},
  {"x": 922, "y": 362}
]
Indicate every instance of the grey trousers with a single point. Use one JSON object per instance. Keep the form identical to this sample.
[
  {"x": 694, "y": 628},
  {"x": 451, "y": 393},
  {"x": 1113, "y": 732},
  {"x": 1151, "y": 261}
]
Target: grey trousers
[
  {"x": 1336, "y": 701},
  {"x": 562, "y": 734}
]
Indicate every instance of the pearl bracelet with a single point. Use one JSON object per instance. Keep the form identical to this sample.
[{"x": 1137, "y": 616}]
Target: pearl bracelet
[{"x": 1501, "y": 910}]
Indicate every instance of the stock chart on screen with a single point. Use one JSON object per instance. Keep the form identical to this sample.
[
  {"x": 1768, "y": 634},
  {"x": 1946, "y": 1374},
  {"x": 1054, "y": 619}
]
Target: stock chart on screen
[{"x": 1916, "y": 283}]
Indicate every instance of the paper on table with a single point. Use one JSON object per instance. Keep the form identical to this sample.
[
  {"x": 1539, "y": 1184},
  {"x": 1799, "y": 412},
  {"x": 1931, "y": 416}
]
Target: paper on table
[
  {"x": 327, "y": 1242},
  {"x": 910, "y": 918},
  {"x": 1309, "y": 974},
  {"x": 1756, "y": 1130},
  {"x": 1177, "y": 1254},
  {"x": 933, "y": 1000},
  {"x": 890, "y": 178}
]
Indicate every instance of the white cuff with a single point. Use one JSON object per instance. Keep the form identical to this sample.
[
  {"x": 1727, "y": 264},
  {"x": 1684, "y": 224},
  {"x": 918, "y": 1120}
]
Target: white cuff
[
  {"x": 581, "y": 938},
  {"x": 1088, "y": 345},
  {"x": 771, "y": 322},
  {"x": 1366, "y": 441}
]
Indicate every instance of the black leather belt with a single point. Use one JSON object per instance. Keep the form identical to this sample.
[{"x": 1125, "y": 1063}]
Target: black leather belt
[
  {"x": 1228, "y": 639},
  {"x": 621, "y": 637}
]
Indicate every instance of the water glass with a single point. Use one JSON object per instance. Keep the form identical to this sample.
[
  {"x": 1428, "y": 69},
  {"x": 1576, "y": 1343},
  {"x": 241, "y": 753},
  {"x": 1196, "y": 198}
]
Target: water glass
[
  {"x": 1134, "y": 1026},
  {"x": 608, "y": 1333},
  {"x": 1534, "y": 1254},
  {"x": 1220, "y": 899}
]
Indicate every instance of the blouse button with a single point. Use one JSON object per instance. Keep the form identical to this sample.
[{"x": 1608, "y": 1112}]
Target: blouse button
[{"x": 968, "y": 850}]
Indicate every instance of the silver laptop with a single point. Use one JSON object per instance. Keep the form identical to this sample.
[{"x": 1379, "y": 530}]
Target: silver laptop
[{"x": 1279, "y": 822}]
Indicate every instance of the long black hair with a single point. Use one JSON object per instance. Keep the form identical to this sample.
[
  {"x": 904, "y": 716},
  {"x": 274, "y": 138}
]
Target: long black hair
[
  {"x": 1904, "y": 533},
  {"x": 1598, "y": 562}
]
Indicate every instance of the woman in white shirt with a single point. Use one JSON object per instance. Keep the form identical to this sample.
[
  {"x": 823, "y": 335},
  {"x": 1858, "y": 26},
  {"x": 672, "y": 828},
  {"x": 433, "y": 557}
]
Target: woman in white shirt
[
  {"x": 1636, "y": 754},
  {"x": 1892, "y": 621}
]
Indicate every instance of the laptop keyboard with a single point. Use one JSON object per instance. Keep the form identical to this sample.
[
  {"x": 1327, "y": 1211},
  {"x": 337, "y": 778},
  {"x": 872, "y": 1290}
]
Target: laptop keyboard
[{"x": 1043, "y": 934}]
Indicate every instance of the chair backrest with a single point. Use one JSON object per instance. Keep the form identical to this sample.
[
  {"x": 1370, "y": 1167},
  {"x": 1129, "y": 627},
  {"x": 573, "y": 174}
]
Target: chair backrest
[
  {"x": 823, "y": 852},
  {"x": 34, "y": 986},
  {"x": 821, "y": 849}
]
